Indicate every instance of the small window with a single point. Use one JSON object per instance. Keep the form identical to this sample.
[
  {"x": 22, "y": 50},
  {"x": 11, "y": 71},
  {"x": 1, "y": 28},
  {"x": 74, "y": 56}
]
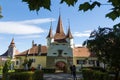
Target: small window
[
  {"x": 17, "y": 62},
  {"x": 65, "y": 53},
  {"x": 54, "y": 53},
  {"x": 81, "y": 62}
]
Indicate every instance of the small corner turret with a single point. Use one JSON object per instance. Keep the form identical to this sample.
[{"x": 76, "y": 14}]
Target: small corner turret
[
  {"x": 12, "y": 51},
  {"x": 50, "y": 37},
  {"x": 12, "y": 44}
]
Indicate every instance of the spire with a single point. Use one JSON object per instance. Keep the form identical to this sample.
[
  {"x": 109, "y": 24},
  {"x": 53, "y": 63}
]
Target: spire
[
  {"x": 59, "y": 26},
  {"x": 12, "y": 44},
  {"x": 59, "y": 31},
  {"x": 69, "y": 34},
  {"x": 50, "y": 35}
]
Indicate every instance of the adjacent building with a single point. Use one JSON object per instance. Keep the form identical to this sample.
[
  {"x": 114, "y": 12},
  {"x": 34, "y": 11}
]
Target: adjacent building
[{"x": 9, "y": 54}]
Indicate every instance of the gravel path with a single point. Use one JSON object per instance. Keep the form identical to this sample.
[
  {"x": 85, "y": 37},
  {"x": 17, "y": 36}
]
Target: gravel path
[{"x": 60, "y": 76}]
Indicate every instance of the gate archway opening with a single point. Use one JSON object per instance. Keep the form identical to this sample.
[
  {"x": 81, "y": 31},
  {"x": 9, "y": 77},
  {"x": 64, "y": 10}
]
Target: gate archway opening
[{"x": 61, "y": 66}]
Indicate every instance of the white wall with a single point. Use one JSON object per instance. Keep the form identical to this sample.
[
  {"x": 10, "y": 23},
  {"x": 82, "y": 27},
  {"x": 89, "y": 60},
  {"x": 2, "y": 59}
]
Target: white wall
[{"x": 55, "y": 47}]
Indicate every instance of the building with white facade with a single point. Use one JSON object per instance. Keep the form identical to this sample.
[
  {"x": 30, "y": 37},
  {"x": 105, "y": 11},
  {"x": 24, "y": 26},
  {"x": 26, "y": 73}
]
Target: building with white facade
[{"x": 59, "y": 53}]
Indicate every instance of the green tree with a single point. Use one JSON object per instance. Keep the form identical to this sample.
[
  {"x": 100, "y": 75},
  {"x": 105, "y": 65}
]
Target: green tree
[
  {"x": 30, "y": 63},
  {"x": 83, "y": 5},
  {"x": 6, "y": 67},
  {"x": 0, "y": 12},
  {"x": 104, "y": 42},
  {"x": 27, "y": 63}
]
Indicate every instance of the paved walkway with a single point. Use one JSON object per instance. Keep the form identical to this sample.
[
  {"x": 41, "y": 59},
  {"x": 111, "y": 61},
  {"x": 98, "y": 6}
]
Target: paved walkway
[
  {"x": 60, "y": 76},
  {"x": 0, "y": 76}
]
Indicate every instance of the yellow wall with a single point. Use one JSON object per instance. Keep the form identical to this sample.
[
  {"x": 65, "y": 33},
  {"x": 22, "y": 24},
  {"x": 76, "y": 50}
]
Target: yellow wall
[{"x": 38, "y": 60}]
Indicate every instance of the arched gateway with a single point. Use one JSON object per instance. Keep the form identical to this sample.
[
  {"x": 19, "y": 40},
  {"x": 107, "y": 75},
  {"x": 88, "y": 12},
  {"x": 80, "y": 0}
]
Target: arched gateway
[{"x": 61, "y": 66}]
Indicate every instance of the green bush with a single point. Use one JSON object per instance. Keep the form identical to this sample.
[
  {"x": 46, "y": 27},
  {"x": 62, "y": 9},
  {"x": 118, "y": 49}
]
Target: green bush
[
  {"x": 100, "y": 75},
  {"x": 48, "y": 70},
  {"x": 89, "y": 74},
  {"x": 19, "y": 70},
  {"x": 38, "y": 75},
  {"x": 20, "y": 76},
  {"x": 95, "y": 68},
  {"x": 27, "y": 75}
]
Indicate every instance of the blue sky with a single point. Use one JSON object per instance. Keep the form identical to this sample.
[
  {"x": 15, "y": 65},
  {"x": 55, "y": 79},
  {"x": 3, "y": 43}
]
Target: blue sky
[{"x": 25, "y": 25}]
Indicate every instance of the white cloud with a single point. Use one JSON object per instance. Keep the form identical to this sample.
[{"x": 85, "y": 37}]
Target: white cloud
[
  {"x": 29, "y": 36},
  {"x": 23, "y": 27},
  {"x": 37, "y": 21},
  {"x": 83, "y": 34}
]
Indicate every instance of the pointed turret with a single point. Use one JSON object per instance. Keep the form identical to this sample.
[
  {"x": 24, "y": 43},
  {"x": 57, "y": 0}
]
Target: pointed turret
[
  {"x": 12, "y": 51},
  {"x": 12, "y": 44},
  {"x": 59, "y": 26},
  {"x": 69, "y": 38},
  {"x": 50, "y": 35},
  {"x": 50, "y": 38},
  {"x": 69, "y": 34},
  {"x": 59, "y": 35}
]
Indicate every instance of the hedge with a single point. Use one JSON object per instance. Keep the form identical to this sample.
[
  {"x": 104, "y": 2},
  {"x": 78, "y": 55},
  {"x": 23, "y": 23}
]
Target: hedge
[
  {"x": 38, "y": 75},
  {"x": 89, "y": 74},
  {"x": 48, "y": 70},
  {"x": 20, "y": 76},
  {"x": 28, "y": 75}
]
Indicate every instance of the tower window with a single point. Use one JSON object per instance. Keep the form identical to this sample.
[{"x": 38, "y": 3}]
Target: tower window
[
  {"x": 65, "y": 53},
  {"x": 54, "y": 53}
]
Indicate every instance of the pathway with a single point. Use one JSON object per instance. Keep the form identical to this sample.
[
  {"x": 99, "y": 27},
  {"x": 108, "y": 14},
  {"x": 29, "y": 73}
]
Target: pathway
[{"x": 60, "y": 76}]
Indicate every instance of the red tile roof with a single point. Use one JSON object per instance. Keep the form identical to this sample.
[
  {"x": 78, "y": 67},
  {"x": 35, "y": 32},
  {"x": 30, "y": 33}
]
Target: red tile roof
[
  {"x": 82, "y": 52},
  {"x": 35, "y": 50}
]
